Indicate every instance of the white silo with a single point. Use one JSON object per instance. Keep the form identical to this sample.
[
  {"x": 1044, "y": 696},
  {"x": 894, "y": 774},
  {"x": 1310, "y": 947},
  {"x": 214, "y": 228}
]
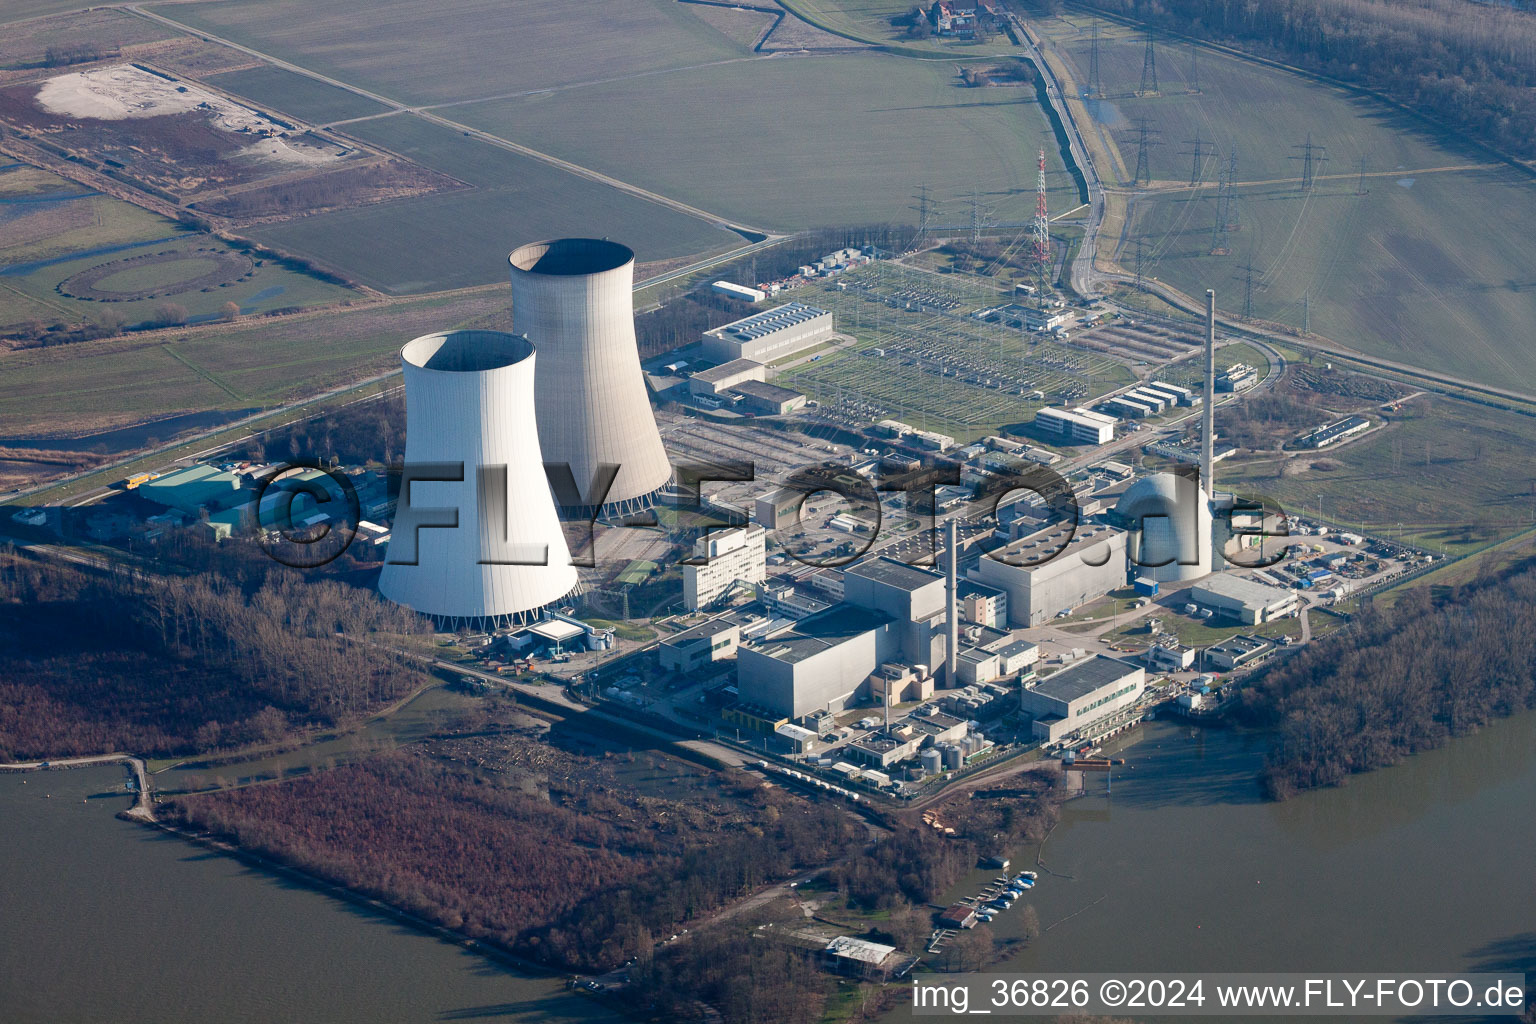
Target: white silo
[
  {"x": 572, "y": 297},
  {"x": 469, "y": 404}
]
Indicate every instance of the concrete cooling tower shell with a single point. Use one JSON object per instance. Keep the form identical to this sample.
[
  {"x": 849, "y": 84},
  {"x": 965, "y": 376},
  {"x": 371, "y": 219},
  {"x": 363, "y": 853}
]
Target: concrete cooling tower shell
[
  {"x": 1168, "y": 522},
  {"x": 572, "y": 297},
  {"x": 469, "y": 400}
]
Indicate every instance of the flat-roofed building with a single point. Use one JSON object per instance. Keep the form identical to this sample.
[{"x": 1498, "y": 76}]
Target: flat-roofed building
[
  {"x": 1242, "y": 600},
  {"x": 982, "y": 605},
  {"x": 913, "y": 597},
  {"x": 821, "y": 662},
  {"x": 727, "y": 375},
  {"x": 977, "y": 666},
  {"x": 1174, "y": 393},
  {"x": 1125, "y": 405},
  {"x": 1054, "y": 570},
  {"x": 769, "y": 335},
  {"x": 731, "y": 556},
  {"x": 1169, "y": 657},
  {"x": 901, "y": 591},
  {"x": 1072, "y": 700},
  {"x": 1076, "y": 426},
  {"x": 1146, "y": 396},
  {"x": 778, "y": 508},
  {"x": 762, "y": 399},
  {"x": 699, "y": 645},
  {"x": 1235, "y": 652}
]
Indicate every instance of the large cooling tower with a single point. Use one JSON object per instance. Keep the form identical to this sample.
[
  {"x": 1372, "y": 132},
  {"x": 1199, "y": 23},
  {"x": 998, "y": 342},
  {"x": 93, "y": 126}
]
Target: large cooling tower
[
  {"x": 469, "y": 403},
  {"x": 572, "y": 298}
]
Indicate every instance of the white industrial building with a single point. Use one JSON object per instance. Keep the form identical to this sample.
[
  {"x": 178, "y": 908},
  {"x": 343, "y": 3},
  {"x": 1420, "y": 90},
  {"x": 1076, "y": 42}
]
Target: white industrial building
[
  {"x": 1055, "y": 570},
  {"x": 731, "y": 556},
  {"x": 573, "y": 298},
  {"x": 1068, "y": 703},
  {"x": 469, "y": 402},
  {"x": 725, "y": 376},
  {"x": 913, "y": 598},
  {"x": 1238, "y": 599},
  {"x": 739, "y": 291},
  {"x": 698, "y": 646},
  {"x": 769, "y": 335},
  {"x": 820, "y": 663},
  {"x": 1076, "y": 426}
]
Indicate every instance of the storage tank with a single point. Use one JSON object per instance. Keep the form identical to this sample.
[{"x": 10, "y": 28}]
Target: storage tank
[
  {"x": 952, "y": 756},
  {"x": 931, "y": 760},
  {"x": 469, "y": 407},
  {"x": 572, "y": 297}
]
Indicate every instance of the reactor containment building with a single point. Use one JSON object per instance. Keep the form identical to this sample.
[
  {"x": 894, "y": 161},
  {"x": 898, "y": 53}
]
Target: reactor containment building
[
  {"x": 572, "y": 298},
  {"x": 477, "y": 539}
]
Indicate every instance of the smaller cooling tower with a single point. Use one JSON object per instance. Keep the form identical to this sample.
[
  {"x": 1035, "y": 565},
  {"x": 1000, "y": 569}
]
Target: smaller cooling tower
[
  {"x": 573, "y": 298},
  {"x": 469, "y": 403}
]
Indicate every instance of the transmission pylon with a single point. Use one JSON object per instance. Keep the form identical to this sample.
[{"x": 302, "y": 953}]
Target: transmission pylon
[
  {"x": 1360, "y": 188},
  {"x": 1138, "y": 264},
  {"x": 1095, "y": 83},
  {"x": 1145, "y": 140},
  {"x": 925, "y": 208},
  {"x": 1041, "y": 247},
  {"x": 1221, "y": 240},
  {"x": 1306, "y": 313},
  {"x": 1195, "y": 177},
  {"x": 1234, "y": 211},
  {"x": 1312, "y": 157},
  {"x": 980, "y": 216},
  {"x": 1148, "y": 68},
  {"x": 1194, "y": 66},
  {"x": 1248, "y": 291}
]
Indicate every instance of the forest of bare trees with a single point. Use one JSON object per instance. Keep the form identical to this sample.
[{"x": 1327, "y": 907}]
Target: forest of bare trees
[
  {"x": 1399, "y": 681},
  {"x": 95, "y": 661},
  {"x": 585, "y": 878},
  {"x": 1470, "y": 65}
]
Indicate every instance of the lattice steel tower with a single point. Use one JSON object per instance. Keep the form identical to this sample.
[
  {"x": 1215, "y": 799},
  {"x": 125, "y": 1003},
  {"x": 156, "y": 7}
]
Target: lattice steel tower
[
  {"x": 1149, "y": 68},
  {"x": 1040, "y": 249}
]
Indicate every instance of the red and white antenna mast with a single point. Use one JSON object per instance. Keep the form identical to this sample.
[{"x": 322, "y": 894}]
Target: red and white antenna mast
[{"x": 1041, "y": 249}]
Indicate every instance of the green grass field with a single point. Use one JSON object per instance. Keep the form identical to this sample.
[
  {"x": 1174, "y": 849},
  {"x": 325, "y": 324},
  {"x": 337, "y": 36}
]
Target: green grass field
[
  {"x": 1454, "y": 474},
  {"x": 792, "y": 143},
  {"x": 457, "y": 239},
  {"x": 67, "y": 236},
  {"x": 95, "y": 385},
  {"x": 461, "y": 50},
  {"x": 305, "y": 98},
  {"x": 1430, "y": 267}
]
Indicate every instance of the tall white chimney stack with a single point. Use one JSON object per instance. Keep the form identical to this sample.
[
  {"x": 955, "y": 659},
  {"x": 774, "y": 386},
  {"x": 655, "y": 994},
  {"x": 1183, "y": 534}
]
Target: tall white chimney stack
[
  {"x": 952, "y": 620},
  {"x": 1208, "y": 417}
]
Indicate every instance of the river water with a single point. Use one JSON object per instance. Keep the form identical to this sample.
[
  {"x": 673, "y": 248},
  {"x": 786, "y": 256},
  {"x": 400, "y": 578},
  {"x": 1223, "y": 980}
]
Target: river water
[
  {"x": 1429, "y": 865},
  {"x": 104, "y": 920},
  {"x": 1425, "y": 866}
]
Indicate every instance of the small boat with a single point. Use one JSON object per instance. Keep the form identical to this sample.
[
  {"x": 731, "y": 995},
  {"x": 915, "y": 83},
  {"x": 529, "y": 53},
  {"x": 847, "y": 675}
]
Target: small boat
[
  {"x": 1025, "y": 874},
  {"x": 1028, "y": 883}
]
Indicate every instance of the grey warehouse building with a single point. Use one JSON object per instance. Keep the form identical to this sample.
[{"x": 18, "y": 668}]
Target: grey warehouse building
[
  {"x": 1243, "y": 600},
  {"x": 1054, "y": 570},
  {"x": 1080, "y": 695},
  {"x": 818, "y": 664},
  {"x": 771, "y": 334},
  {"x": 914, "y": 598}
]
